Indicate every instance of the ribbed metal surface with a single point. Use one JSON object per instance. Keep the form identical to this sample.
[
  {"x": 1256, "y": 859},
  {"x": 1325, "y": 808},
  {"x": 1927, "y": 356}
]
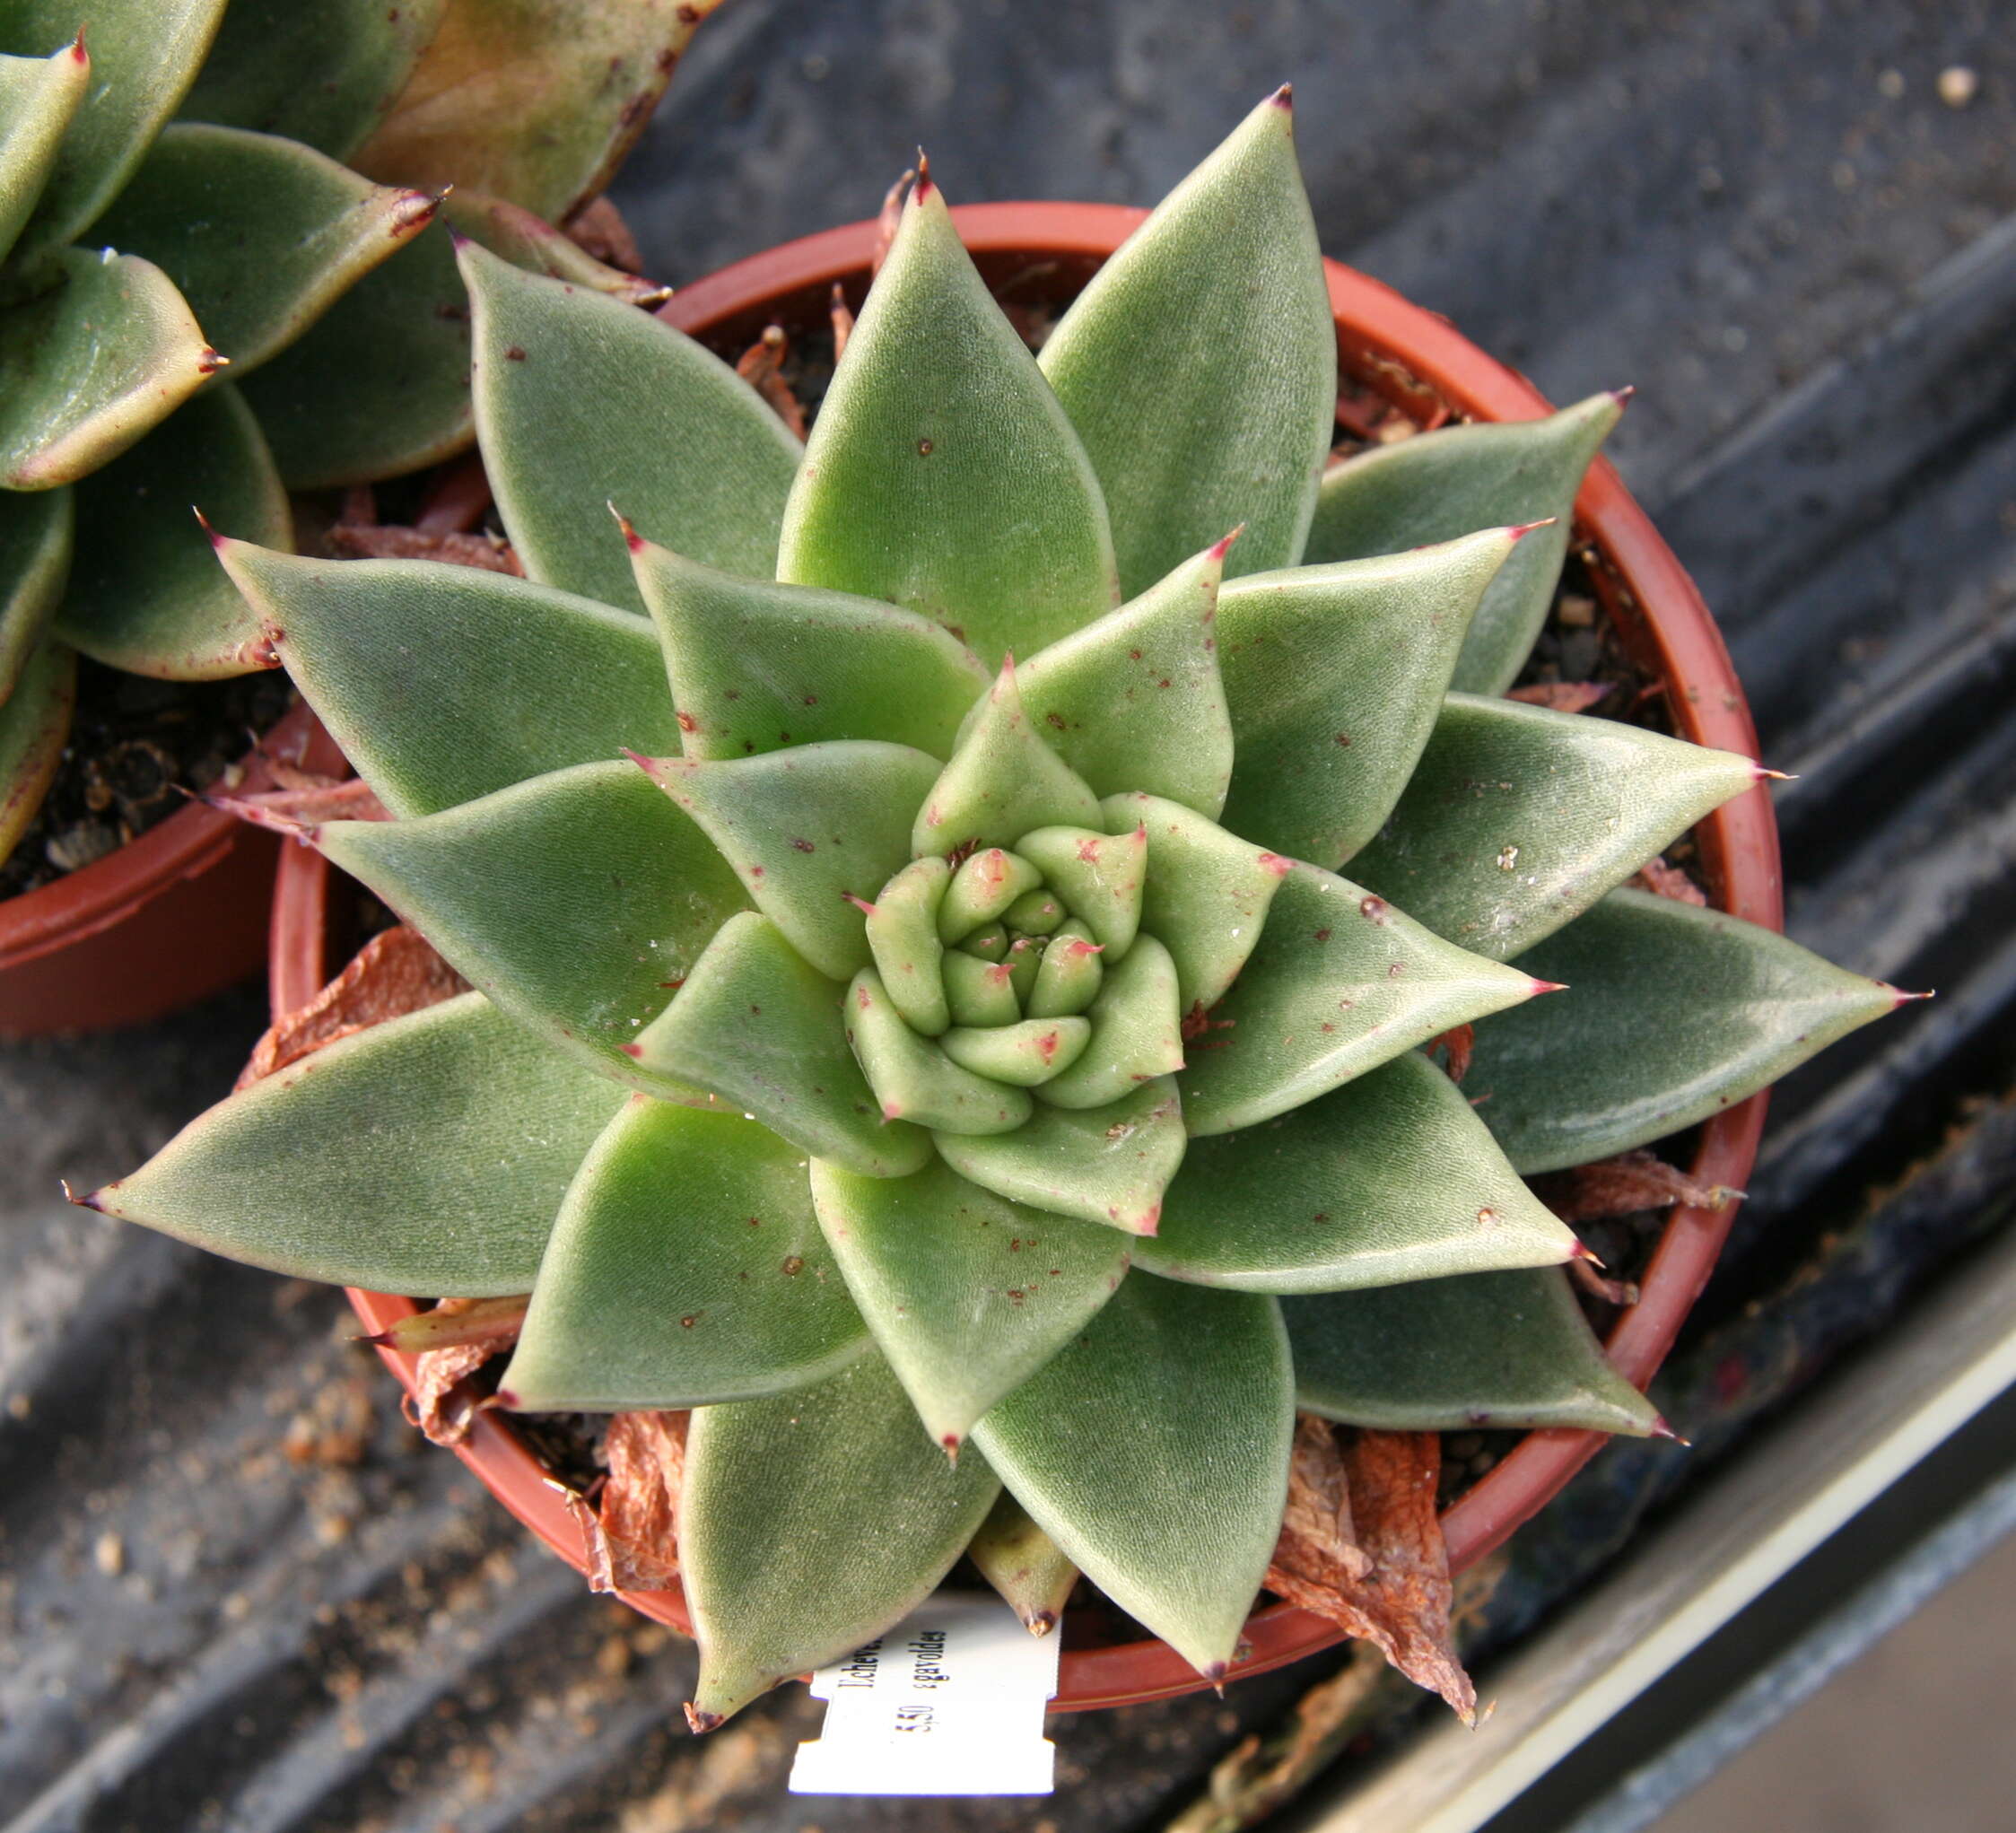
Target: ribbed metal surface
[{"x": 236, "y": 1593}]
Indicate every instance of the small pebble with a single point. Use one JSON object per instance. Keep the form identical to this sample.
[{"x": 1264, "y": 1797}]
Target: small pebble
[
  {"x": 1957, "y": 85},
  {"x": 108, "y": 1553}
]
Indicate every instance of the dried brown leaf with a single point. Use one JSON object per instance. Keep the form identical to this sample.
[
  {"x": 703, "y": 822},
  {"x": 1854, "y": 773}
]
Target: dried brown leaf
[
  {"x": 1618, "y": 1186},
  {"x": 1402, "y": 1603},
  {"x": 390, "y": 541},
  {"x": 888, "y": 220},
  {"x": 1564, "y": 696},
  {"x": 395, "y": 973},
  {"x": 842, "y": 314},
  {"x": 1460, "y": 1046},
  {"x": 445, "y": 1401},
  {"x": 1670, "y": 881},
  {"x": 598, "y": 226},
  {"x": 305, "y": 800},
  {"x": 1317, "y": 1547},
  {"x": 639, "y": 1508},
  {"x": 762, "y": 366}
]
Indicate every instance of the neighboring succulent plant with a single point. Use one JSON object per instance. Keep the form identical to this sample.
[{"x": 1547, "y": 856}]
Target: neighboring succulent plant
[
  {"x": 170, "y": 202},
  {"x": 914, "y": 1049}
]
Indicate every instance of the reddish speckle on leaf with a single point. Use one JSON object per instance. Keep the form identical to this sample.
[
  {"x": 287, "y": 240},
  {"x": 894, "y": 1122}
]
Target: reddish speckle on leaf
[
  {"x": 1375, "y": 909},
  {"x": 515, "y": 353},
  {"x": 793, "y": 1266},
  {"x": 687, "y": 723},
  {"x": 1322, "y": 935},
  {"x": 1344, "y": 738},
  {"x": 803, "y": 846},
  {"x": 633, "y": 1050}
]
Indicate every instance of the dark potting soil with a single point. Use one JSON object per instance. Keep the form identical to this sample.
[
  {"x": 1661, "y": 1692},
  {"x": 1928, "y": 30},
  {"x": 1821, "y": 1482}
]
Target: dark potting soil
[{"x": 139, "y": 749}]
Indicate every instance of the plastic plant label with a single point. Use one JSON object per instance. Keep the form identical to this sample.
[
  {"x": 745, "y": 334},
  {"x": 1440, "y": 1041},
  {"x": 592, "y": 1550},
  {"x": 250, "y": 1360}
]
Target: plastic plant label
[{"x": 949, "y": 1702}]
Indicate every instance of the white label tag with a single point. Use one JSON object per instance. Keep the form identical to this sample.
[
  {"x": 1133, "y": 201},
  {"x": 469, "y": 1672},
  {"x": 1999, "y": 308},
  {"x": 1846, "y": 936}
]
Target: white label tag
[{"x": 949, "y": 1702}]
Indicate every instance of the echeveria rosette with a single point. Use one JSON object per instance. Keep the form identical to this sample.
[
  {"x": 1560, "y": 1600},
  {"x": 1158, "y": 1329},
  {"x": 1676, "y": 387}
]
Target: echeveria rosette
[
  {"x": 200, "y": 301},
  {"x": 950, "y": 1032}
]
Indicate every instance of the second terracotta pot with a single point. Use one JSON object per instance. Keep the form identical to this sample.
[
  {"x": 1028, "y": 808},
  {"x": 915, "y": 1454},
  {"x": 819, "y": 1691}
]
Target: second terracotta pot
[{"x": 1425, "y": 369}]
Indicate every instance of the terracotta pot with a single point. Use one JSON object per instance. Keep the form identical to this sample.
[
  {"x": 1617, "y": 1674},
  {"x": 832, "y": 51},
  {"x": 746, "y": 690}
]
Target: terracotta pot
[
  {"x": 1421, "y": 365},
  {"x": 180, "y": 912}
]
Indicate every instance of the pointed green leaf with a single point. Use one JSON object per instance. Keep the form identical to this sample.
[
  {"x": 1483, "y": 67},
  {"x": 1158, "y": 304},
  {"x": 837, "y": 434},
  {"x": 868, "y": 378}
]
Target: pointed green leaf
[
  {"x": 1207, "y": 892},
  {"x": 808, "y": 830},
  {"x": 1134, "y": 701},
  {"x": 976, "y": 991},
  {"x": 36, "y": 539},
  {"x": 1102, "y": 877},
  {"x": 34, "y": 723},
  {"x": 1200, "y": 367},
  {"x": 1172, "y": 1508},
  {"x": 1340, "y": 982},
  {"x": 379, "y": 384},
  {"x": 108, "y": 351},
  {"x": 760, "y": 1026},
  {"x": 37, "y": 98},
  {"x": 1438, "y": 485},
  {"x": 1068, "y": 977},
  {"x": 1002, "y": 781},
  {"x": 1137, "y": 1032},
  {"x": 1389, "y": 1178},
  {"x": 427, "y": 1155},
  {"x": 967, "y": 1293},
  {"x": 685, "y": 1267},
  {"x": 757, "y": 666},
  {"x": 144, "y": 55},
  {"x": 941, "y": 473},
  {"x": 582, "y": 401},
  {"x": 324, "y": 74},
  {"x": 1480, "y": 1349},
  {"x": 903, "y": 936},
  {"x": 913, "y": 1079},
  {"x": 261, "y": 235},
  {"x": 443, "y": 683},
  {"x": 1034, "y": 913},
  {"x": 1519, "y": 818},
  {"x": 1023, "y": 1563},
  {"x": 811, "y": 1522},
  {"x": 146, "y": 593},
  {"x": 534, "y": 244},
  {"x": 1109, "y": 1165},
  {"x": 1335, "y": 676},
  {"x": 536, "y": 100},
  {"x": 577, "y": 901},
  {"x": 986, "y": 885},
  {"x": 1672, "y": 1013},
  {"x": 1022, "y": 1054}
]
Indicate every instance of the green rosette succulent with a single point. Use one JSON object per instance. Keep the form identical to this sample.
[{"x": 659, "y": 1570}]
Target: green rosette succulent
[
  {"x": 944, "y": 1052},
  {"x": 200, "y": 300}
]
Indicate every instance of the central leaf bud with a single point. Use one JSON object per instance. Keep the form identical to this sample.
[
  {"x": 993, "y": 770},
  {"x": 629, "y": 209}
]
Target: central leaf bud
[{"x": 1006, "y": 972}]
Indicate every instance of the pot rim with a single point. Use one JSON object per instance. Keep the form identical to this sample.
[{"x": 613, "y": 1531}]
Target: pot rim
[{"x": 1416, "y": 355}]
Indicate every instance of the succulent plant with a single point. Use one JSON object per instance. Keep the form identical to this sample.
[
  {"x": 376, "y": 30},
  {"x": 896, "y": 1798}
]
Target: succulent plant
[
  {"x": 943, "y": 1051},
  {"x": 171, "y": 201}
]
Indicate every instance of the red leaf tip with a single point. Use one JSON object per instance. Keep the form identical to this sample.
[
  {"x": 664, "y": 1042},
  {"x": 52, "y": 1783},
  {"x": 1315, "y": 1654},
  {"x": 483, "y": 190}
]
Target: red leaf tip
[
  {"x": 1283, "y": 98},
  {"x": 1773, "y": 776},
  {"x": 1660, "y": 1430},
  {"x": 631, "y": 538},
  {"x": 89, "y": 1200},
  {"x": 1520, "y": 530},
  {"x": 1622, "y": 397},
  {"x": 1584, "y": 1251},
  {"x": 208, "y": 361},
  {"x": 1214, "y": 1672},
  {"x": 1223, "y": 544},
  {"x": 1899, "y": 997},
  {"x": 202, "y": 522},
  {"x": 505, "y": 1398},
  {"x": 1538, "y": 987},
  {"x": 77, "y": 50},
  {"x": 701, "y": 1723},
  {"x": 922, "y": 189},
  {"x": 860, "y": 904},
  {"x": 457, "y": 239}
]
